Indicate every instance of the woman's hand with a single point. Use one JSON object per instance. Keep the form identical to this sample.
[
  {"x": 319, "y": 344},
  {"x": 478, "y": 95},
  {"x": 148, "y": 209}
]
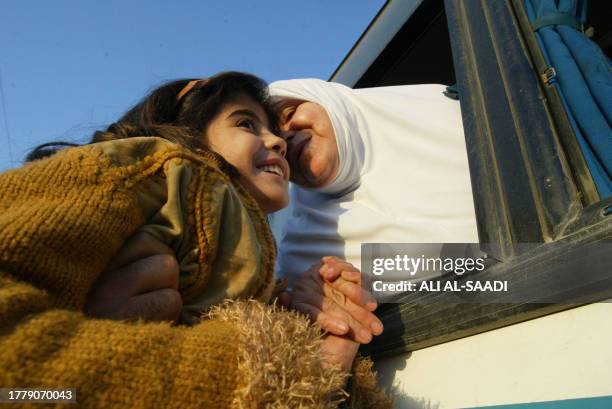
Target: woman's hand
[
  {"x": 339, "y": 351},
  {"x": 330, "y": 293},
  {"x": 141, "y": 282}
]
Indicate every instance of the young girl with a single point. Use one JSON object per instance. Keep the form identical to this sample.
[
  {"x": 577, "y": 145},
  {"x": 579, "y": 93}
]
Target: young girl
[{"x": 197, "y": 165}]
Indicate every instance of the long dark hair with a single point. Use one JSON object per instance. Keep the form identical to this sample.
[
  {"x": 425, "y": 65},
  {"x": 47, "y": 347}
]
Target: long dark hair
[{"x": 181, "y": 120}]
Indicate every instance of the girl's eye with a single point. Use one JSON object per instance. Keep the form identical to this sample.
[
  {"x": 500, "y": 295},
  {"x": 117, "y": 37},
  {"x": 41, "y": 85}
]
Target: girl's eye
[{"x": 248, "y": 124}]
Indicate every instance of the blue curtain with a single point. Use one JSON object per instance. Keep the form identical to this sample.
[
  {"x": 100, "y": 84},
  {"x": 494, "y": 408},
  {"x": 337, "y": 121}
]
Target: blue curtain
[{"x": 583, "y": 77}]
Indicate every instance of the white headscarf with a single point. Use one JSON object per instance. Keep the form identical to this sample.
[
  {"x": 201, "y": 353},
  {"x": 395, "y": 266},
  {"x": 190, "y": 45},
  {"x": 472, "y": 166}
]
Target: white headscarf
[
  {"x": 347, "y": 121},
  {"x": 403, "y": 174}
]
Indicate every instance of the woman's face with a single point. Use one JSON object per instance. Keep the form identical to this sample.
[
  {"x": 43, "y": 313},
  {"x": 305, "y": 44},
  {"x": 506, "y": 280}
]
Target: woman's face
[
  {"x": 312, "y": 150},
  {"x": 240, "y": 133}
]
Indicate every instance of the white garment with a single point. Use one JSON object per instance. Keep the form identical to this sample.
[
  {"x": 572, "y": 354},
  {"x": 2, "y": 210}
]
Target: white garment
[{"x": 403, "y": 175}]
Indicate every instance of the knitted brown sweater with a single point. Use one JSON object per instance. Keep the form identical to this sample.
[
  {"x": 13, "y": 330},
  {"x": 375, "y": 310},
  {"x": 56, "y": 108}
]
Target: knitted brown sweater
[{"x": 61, "y": 221}]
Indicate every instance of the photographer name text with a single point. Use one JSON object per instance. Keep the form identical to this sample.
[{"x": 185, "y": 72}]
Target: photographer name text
[{"x": 440, "y": 286}]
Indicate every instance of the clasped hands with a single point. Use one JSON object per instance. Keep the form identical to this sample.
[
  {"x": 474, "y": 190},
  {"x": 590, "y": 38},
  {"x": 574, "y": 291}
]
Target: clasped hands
[
  {"x": 141, "y": 282},
  {"x": 330, "y": 292}
]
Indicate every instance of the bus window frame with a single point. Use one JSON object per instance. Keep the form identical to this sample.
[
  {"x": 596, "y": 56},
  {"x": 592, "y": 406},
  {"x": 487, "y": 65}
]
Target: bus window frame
[{"x": 530, "y": 182}]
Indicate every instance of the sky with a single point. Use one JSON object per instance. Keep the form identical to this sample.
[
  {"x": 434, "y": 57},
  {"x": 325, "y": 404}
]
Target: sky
[{"x": 70, "y": 67}]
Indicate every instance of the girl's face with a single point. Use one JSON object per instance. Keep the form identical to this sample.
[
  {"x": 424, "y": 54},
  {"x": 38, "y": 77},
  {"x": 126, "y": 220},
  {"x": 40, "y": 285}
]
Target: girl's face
[{"x": 240, "y": 133}]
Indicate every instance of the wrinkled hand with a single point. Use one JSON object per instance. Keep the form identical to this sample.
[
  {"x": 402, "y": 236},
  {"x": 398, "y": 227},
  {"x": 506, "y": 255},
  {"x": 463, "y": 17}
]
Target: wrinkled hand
[
  {"x": 141, "y": 282},
  {"x": 340, "y": 351},
  {"x": 330, "y": 293}
]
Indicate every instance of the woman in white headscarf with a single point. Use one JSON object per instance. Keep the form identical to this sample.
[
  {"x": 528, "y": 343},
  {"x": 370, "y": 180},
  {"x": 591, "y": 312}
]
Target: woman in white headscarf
[{"x": 399, "y": 173}]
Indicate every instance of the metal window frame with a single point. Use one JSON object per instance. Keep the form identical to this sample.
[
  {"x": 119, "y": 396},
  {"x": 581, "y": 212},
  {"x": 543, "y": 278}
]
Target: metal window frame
[{"x": 530, "y": 182}]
